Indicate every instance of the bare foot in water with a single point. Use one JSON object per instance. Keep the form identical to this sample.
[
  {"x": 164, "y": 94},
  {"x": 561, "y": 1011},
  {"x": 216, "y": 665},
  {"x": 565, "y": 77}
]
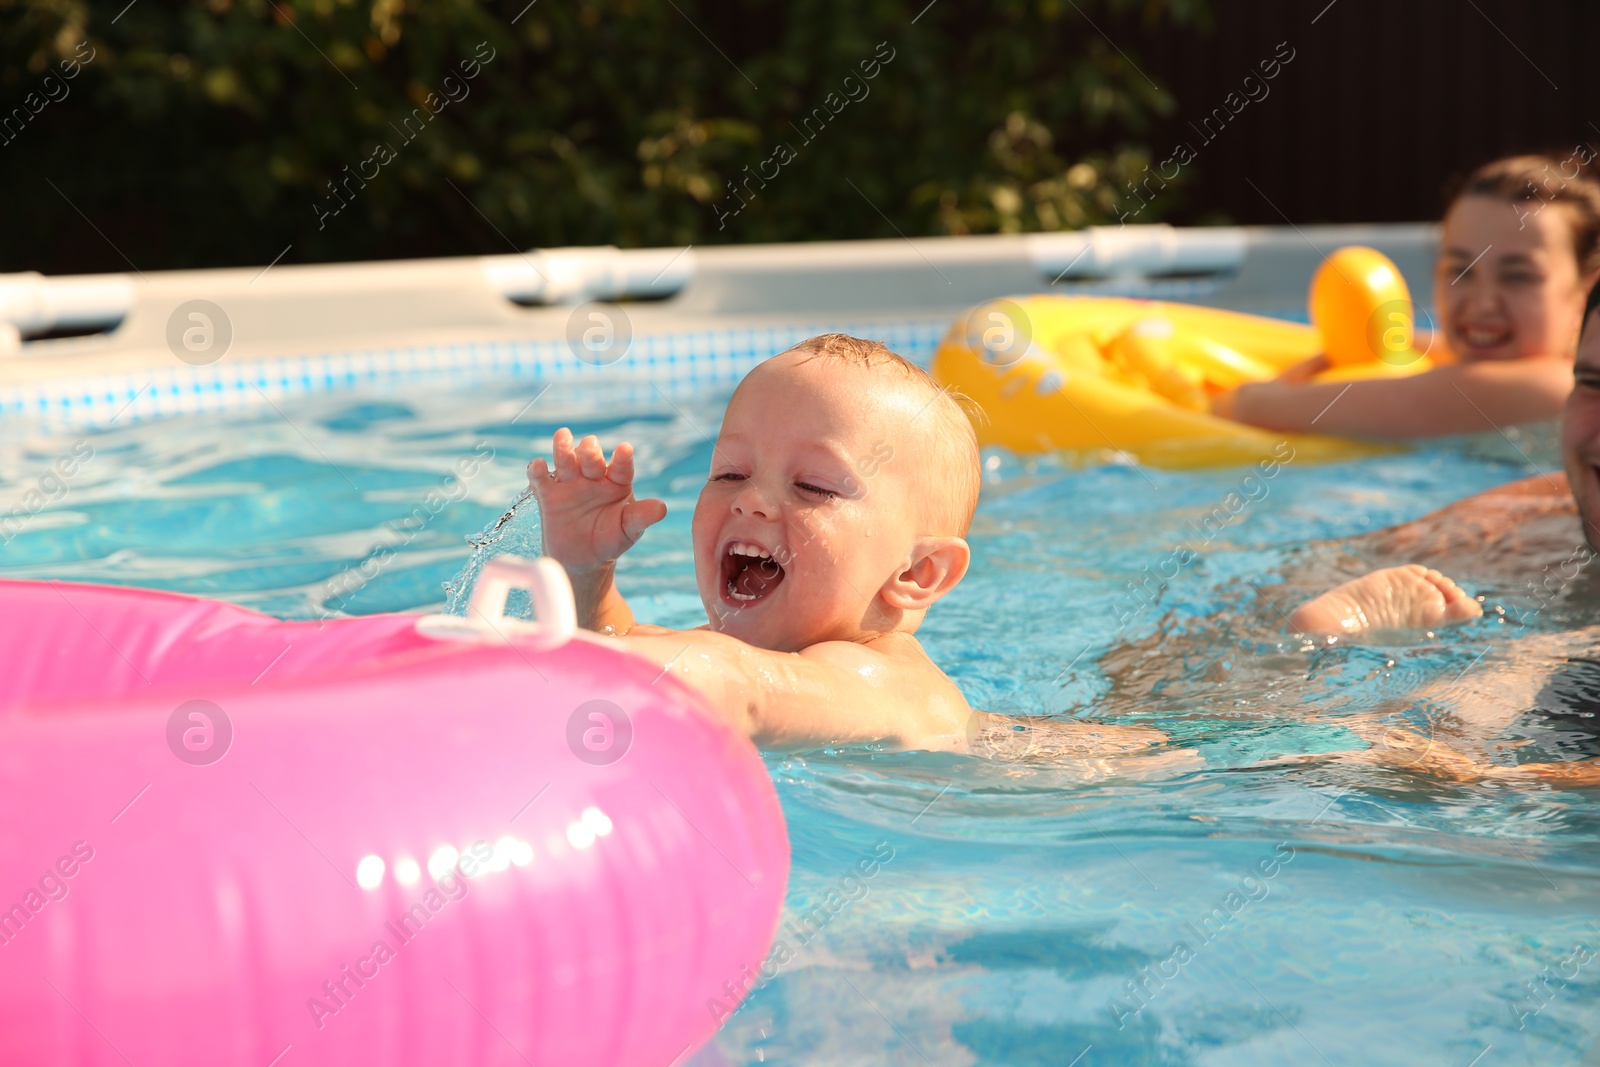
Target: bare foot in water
[{"x": 1411, "y": 597}]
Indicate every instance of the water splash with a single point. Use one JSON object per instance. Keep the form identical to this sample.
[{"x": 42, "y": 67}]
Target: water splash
[{"x": 517, "y": 532}]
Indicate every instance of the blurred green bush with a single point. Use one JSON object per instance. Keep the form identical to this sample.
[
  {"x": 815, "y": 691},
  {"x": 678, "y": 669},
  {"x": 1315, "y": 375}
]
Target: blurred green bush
[{"x": 217, "y": 132}]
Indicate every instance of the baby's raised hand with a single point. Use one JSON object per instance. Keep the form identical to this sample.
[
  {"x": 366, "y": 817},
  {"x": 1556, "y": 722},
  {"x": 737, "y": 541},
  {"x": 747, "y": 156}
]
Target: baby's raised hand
[{"x": 587, "y": 511}]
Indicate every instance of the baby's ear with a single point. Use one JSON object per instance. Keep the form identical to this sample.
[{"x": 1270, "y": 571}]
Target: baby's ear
[{"x": 937, "y": 564}]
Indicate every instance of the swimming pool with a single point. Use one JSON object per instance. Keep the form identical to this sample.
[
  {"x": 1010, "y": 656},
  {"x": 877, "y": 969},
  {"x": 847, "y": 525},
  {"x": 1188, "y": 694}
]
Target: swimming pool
[{"x": 1325, "y": 914}]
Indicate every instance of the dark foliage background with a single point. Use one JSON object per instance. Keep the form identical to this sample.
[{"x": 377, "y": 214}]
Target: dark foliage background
[
  {"x": 203, "y": 132},
  {"x": 1386, "y": 105}
]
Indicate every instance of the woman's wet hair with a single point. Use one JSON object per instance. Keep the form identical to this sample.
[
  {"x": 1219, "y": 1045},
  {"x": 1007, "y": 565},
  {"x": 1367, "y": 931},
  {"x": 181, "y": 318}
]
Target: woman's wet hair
[
  {"x": 1588, "y": 308},
  {"x": 1540, "y": 180}
]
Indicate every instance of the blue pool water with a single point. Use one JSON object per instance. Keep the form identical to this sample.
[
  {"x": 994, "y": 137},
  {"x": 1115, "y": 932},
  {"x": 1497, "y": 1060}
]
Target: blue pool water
[{"x": 1320, "y": 912}]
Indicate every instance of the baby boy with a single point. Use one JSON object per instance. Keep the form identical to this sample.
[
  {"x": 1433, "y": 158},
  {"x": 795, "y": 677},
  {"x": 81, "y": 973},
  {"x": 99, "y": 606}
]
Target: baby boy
[{"x": 841, "y": 488}]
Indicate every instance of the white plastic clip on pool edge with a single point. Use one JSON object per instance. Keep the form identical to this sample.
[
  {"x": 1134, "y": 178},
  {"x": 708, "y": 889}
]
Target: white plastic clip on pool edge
[{"x": 555, "y": 613}]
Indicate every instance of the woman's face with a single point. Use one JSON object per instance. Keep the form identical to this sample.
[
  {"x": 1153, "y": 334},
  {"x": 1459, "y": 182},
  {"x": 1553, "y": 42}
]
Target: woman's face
[{"x": 1507, "y": 285}]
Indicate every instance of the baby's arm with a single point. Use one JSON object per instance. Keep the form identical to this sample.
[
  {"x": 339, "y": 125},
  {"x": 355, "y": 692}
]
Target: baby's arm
[
  {"x": 839, "y": 692},
  {"x": 588, "y": 517},
  {"x": 1046, "y": 739},
  {"x": 1411, "y": 597},
  {"x": 836, "y": 692}
]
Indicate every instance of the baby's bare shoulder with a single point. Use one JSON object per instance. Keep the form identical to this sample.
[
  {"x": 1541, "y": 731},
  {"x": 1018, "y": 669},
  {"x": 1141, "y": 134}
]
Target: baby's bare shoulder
[
  {"x": 893, "y": 650},
  {"x": 644, "y": 629},
  {"x": 896, "y": 659}
]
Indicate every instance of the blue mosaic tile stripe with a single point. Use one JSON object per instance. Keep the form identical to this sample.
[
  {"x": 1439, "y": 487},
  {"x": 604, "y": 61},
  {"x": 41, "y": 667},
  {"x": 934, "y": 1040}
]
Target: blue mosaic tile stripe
[{"x": 698, "y": 358}]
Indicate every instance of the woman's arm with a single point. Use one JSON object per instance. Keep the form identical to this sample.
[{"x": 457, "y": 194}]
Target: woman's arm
[{"x": 1466, "y": 398}]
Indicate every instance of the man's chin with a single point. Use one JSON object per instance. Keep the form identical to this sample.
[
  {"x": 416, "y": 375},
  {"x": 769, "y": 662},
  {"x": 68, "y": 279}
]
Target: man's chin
[
  {"x": 1586, "y": 495},
  {"x": 1589, "y": 514}
]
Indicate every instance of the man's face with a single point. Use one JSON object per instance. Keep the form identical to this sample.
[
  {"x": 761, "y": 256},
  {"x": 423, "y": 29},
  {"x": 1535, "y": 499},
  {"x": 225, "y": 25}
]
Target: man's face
[
  {"x": 811, "y": 504},
  {"x": 1580, "y": 432}
]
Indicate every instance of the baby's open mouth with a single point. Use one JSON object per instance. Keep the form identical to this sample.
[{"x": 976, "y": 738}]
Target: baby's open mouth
[{"x": 749, "y": 573}]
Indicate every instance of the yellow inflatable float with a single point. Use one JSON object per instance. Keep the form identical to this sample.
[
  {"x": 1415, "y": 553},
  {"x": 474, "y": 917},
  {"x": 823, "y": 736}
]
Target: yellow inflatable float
[{"x": 1098, "y": 374}]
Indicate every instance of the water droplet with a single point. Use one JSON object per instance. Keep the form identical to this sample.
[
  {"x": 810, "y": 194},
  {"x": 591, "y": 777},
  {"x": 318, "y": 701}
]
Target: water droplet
[{"x": 516, "y": 532}]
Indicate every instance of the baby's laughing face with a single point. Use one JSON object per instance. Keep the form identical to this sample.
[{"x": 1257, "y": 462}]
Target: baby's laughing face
[{"x": 814, "y": 503}]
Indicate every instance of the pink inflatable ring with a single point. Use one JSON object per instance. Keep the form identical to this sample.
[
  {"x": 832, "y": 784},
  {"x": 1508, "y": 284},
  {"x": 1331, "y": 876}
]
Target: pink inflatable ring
[{"x": 228, "y": 839}]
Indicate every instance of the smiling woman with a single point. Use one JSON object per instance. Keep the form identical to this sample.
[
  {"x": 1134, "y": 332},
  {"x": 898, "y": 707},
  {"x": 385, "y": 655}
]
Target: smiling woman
[
  {"x": 1510, "y": 284},
  {"x": 1509, "y": 288}
]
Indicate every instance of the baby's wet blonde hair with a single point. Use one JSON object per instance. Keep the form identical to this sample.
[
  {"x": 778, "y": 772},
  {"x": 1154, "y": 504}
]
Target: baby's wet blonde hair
[{"x": 953, "y": 444}]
